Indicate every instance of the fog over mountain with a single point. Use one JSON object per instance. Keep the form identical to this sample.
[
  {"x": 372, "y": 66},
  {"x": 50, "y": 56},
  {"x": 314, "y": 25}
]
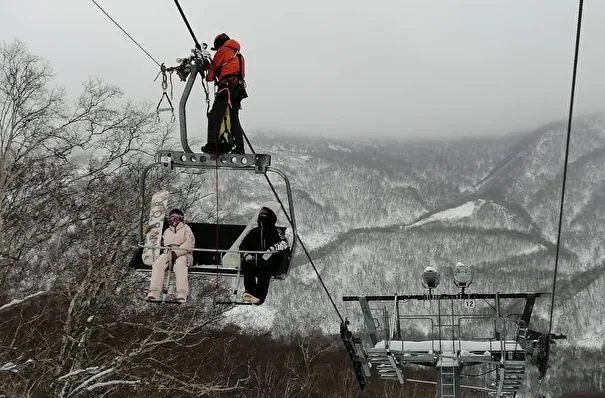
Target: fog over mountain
[
  {"x": 372, "y": 213},
  {"x": 375, "y": 214}
]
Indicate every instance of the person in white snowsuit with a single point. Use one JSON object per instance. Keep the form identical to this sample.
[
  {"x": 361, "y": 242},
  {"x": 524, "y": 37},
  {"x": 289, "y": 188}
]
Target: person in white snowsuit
[{"x": 179, "y": 237}]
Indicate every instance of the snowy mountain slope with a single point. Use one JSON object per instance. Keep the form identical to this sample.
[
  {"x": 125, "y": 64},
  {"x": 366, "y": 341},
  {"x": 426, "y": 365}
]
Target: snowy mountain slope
[
  {"x": 580, "y": 314},
  {"x": 375, "y": 216}
]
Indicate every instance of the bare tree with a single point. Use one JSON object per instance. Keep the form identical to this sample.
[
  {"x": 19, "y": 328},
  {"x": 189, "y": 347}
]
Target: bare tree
[
  {"x": 51, "y": 154},
  {"x": 69, "y": 189}
]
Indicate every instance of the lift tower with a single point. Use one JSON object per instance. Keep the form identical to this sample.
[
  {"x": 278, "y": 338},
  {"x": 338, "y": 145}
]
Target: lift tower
[{"x": 459, "y": 330}]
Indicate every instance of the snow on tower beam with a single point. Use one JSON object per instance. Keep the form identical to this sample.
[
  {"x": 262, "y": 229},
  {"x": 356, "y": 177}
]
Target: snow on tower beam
[
  {"x": 471, "y": 348},
  {"x": 423, "y": 297}
]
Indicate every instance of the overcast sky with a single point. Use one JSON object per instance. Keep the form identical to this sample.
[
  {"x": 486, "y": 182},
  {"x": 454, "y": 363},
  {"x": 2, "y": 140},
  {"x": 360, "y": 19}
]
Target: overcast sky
[{"x": 394, "y": 68}]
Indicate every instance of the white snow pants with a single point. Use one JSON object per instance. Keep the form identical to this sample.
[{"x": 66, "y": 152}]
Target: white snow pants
[{"x": 180, "y": 269}]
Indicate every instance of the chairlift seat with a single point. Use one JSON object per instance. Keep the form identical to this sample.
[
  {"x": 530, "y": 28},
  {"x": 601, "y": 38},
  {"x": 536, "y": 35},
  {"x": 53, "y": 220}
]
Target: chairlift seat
[{"x": 215, "y": 237}]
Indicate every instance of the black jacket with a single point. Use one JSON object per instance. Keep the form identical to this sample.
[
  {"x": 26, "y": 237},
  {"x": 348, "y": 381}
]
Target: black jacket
[{"x": 267, "y": 238}]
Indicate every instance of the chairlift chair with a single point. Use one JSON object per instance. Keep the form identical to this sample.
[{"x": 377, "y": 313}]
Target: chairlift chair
[{"x": 208, "y": 254}]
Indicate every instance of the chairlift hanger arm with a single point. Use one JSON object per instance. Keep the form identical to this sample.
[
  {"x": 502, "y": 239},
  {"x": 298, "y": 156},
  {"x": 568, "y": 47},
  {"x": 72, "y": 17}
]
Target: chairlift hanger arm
[
  {"x": 195, "y": 68},
  {"x": 290, "y": 216},
  {"x": 197, "y": 63}
]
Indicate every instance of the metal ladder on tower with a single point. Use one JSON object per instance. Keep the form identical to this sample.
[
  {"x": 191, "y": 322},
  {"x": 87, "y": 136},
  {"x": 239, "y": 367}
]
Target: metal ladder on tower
[
  {"x": 512, "y": 375},
  {"x": 513, "y": 371},
  {"x": 386, "y": 364},
  {"x": 448, "y": 378}
]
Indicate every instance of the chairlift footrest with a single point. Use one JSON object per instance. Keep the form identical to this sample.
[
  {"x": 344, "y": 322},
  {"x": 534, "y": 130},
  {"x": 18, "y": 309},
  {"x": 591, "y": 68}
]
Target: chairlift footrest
[
  {"x": 256, "y": 162},
  {"x": 232, "y": 302},
  {"x": 164, "y": 301}
]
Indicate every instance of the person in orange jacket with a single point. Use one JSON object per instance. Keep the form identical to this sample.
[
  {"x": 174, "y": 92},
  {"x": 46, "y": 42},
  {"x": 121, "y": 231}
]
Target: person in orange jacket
[{"x": 227, "y": 70}]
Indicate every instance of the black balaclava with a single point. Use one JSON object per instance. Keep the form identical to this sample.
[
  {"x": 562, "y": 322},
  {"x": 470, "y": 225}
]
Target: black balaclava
[{"x": 266, "y": 217}]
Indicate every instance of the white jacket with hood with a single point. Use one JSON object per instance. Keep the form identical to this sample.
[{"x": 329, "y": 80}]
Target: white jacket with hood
[{"x": 181, "y": 237}]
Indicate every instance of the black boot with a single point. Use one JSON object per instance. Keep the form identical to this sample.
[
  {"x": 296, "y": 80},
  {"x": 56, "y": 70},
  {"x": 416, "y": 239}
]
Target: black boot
[
  {"x": 213, "y": 148},
  {"x": 224, "y": 147},
  {"x": 209, "y": 148}
]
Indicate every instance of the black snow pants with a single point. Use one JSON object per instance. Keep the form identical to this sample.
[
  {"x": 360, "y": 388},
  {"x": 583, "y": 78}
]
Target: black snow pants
[
  {"x": 258, "y": 273},
  {"x": 225, "y": 131}
]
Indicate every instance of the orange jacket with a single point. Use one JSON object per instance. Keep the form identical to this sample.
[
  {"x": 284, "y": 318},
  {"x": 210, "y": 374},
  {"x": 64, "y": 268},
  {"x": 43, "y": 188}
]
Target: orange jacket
[{"x": 226, "y": 62}]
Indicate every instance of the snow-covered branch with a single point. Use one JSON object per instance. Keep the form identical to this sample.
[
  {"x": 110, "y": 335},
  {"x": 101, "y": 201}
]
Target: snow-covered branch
[
  {"x": 112, "y": 383},
  {"x": 19, "y": 301},
  {"x": 92, "y": 369},
  {"x": 93, "y": 378}
]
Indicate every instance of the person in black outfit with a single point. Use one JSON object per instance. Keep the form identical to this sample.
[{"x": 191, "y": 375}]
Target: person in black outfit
[{"x": 258, "y": 268}]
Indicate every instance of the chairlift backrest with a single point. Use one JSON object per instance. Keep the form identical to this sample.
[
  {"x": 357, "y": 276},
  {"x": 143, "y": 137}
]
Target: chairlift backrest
[{"x": 214, "y": 240}]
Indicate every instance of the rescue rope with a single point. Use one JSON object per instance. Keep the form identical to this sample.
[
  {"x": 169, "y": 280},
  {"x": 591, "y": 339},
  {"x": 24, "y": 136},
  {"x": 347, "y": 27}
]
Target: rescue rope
[
  {"x": 205, "y": 87},
  {"x": 216, "y": 237},
  {"x": 567, "y": 142}
]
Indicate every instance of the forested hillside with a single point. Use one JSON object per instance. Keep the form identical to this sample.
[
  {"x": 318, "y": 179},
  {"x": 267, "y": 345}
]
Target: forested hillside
[{"x": 372, "y": 214}]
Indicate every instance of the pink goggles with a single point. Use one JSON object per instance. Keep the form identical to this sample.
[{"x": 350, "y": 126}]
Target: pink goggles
[{"x": 175, "y": 217}]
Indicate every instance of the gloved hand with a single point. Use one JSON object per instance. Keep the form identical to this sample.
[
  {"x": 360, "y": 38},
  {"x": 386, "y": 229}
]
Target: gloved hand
[
  {"x": 248, "y": 257},
  {"x": 282, "y": 245}
]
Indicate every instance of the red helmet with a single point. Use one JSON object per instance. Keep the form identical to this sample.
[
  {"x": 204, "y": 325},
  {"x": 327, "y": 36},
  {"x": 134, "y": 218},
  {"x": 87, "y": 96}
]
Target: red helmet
[{"x": 219, "y": 40}]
